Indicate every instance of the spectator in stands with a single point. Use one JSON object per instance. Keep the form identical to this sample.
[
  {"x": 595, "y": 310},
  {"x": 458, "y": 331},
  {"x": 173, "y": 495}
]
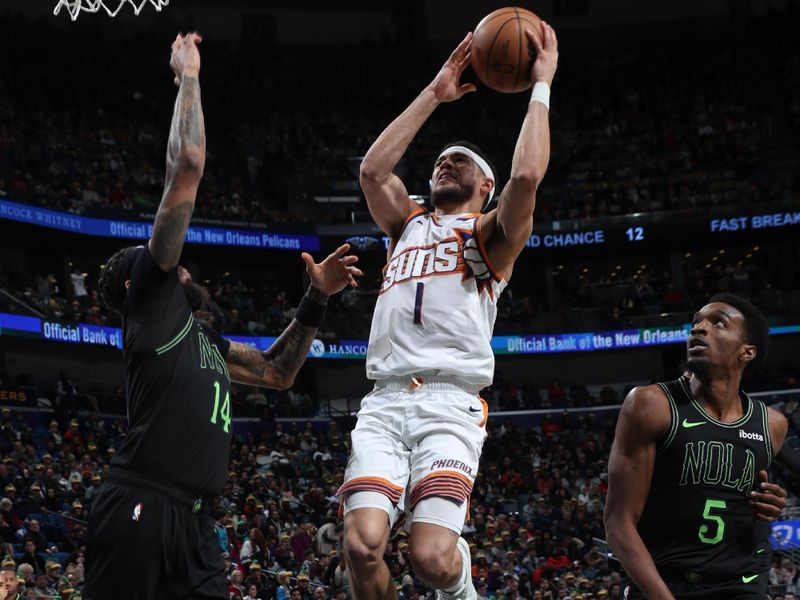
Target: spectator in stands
[
  {"x": 42, "y": 586},
  {"x": 783, "y": 573},
  {"x": 260, "y": 580},
  {"x": 76, "y": 492},
  {"x": 73, "y": 435},
  {"x": 284, "y": 555},
  {"x": 252, "y": 593},
  {"x": 284, "y": 586},
  {"x": 29, "y": 556},
  {"x": 53, "y": 571},
  {"x": 33, "y": 532},
  {"x": 66, "y": 393},
  {"x": 8, "y": 572},
  {"x": 328, "y": 536},
  {"x": 91, "y": 492},
  {"x": 75, "y": 538},
  {"x": 54, "y": 434},
  {"x": 79, "y": 292},
  {"x": 236, "y": 581},
  {"x": 303, "y": 587},
  {"x": 341, "y": 578},
  {"x": 25, "y": 571}
]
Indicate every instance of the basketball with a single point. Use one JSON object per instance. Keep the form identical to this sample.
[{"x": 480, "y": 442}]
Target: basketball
[{"x": 502, "y": 56}]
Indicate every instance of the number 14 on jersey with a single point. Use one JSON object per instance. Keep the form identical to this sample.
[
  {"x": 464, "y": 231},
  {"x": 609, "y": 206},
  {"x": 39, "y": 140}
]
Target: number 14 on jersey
[{"x": 225, "y": 413}]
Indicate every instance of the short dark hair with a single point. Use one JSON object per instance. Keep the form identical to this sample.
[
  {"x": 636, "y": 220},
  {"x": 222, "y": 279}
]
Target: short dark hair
[
  {"x": 756, "y": 328},
  {"x": 109, "y": 286},
  {"x": 479, "y": 152}
]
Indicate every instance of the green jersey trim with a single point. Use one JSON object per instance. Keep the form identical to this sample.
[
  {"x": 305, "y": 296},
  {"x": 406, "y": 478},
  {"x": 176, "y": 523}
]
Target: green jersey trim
[
  {"x": 177, "y": 339},
  {"x": 767, "y": 437},
  {"x": 673, "y": 425},
  {"x": 748, "y": 413}
]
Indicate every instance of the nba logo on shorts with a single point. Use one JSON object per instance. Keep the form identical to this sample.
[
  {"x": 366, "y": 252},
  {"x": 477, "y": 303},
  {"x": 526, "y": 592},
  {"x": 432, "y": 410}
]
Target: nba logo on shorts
[
  {"x": 137, "y": 512},
  {"x": 317, "y": 348}
]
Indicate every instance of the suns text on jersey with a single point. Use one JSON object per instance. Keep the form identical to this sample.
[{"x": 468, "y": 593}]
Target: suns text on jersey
[{"x": 442, "y": 258}]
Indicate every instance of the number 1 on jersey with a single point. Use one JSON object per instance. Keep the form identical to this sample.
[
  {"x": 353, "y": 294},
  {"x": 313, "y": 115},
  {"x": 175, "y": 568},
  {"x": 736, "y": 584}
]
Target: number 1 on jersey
[
  {"x": 418, "y": 304},
  {"x": 225, "y": 413}
]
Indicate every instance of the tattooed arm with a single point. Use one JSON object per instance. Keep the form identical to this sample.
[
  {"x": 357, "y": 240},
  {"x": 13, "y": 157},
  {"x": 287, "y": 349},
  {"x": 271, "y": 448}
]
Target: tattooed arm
[
  {"x": 276, "y": 367},
  {"x": 186, "y": 155}
]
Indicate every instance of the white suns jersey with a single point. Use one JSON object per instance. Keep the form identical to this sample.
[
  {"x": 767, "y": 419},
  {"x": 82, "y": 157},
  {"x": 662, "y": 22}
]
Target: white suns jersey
[{"x": 437, "y": 303}]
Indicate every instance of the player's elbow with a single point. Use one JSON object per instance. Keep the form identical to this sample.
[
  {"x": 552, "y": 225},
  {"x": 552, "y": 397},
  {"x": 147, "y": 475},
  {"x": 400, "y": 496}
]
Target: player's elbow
[
  {"x": 369, "y": 173},
  {"x": 190, "y": 163},
  {"x": 282, "y": 382},
  {"x": 525, "y": 179}
]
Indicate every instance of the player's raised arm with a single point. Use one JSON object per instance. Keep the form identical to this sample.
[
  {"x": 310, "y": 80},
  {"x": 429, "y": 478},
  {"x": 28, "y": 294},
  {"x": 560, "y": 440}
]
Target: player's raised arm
[
  {"x": 277, "y": 367},
  {"x": 643, "y": 419},
  {"x": 531, "y": 157},
  {"x": 186, "y": 155},
  {"x": 386, "y": 195}
]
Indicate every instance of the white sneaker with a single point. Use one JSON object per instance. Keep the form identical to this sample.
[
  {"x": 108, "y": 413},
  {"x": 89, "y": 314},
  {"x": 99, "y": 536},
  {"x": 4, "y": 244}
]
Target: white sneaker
[{"x": 468, "y": 591}]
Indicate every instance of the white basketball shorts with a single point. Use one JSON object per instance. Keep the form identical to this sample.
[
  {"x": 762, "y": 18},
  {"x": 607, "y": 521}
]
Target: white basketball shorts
[{"x": 417, "y": 438}]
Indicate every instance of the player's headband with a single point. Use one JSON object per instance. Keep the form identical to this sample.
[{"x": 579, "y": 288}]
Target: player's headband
[{"x": 478, "y": 160}]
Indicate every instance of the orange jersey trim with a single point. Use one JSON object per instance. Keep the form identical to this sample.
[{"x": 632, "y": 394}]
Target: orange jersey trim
[
  {"x": 372, "y": 484},
  {"x": 484, "y": 252},
  {"x": 485, "y": 412},
  {"x": 414, "y": 214},
  {"x": 446, "y": 484}
]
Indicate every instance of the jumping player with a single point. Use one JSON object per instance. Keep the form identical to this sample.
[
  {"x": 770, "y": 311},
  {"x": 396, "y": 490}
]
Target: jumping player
[
  {"x": 150, "y": 530},
  {"x": 419, "y": 433},
  {"x": 688, "y": 497}
]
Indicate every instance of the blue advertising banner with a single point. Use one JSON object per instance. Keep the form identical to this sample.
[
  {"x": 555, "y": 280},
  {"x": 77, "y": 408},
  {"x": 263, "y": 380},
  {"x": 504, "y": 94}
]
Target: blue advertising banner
[
  {"x": 82, "y": 333},
  {"x": 136, "y": 230},
  {"x": 319, "y": 349},
  {"x": 589, "y": 341},
  {"x": 785, "y": 535},
  {"x": 18, "y": 324}
]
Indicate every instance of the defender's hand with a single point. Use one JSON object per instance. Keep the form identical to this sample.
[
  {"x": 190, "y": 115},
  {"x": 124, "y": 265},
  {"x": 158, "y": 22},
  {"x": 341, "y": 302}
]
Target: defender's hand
[
  {"x": 185, "y": 59},
  {"x": 334, "y": 273},
  {"x": 546, "y": 63},
  {"x": 446, "y": 84},
  {"x": 769, "y": 501}
]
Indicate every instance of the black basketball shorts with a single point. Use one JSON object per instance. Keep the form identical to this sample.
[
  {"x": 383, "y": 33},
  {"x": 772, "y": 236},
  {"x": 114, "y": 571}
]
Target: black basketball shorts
[
  {"x": 735, "y": 590},
  {"x": 148, "y": 542}
]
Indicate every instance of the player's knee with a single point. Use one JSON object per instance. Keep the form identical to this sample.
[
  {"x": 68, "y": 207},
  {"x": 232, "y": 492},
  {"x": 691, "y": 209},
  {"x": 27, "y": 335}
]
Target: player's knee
[
  {"x": 364, "y": 541},
  {"x": 432, "y": 563}
]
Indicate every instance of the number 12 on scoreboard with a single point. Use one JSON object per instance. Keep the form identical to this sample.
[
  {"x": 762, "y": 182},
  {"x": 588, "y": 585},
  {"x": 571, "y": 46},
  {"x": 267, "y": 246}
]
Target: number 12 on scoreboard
[{"x": 635, "y": 234}]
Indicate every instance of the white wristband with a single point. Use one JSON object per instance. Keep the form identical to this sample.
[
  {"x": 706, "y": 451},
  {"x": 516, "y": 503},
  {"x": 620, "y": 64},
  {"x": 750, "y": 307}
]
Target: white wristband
[{"x": 541, "y": 93}]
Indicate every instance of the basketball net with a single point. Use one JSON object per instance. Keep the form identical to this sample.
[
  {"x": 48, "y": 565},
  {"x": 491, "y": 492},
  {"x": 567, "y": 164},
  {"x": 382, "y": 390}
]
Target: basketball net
[{"x": 74, "y": 7}]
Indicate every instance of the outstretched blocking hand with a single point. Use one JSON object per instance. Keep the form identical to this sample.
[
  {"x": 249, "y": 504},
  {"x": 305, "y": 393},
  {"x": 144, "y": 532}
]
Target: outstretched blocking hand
[
  {"x": 185, "y": 58},
  {"x": 546, "y": 63},
  {"x": 334, "y": 273},
  {"x": 446, "y": 84},
  {"x": 769, "y": 501}
]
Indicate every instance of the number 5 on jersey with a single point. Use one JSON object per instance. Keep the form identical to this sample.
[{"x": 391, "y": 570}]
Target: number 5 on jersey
[
  {"x": 225, "y": 413},
  {"x": 705, "y": 530}
]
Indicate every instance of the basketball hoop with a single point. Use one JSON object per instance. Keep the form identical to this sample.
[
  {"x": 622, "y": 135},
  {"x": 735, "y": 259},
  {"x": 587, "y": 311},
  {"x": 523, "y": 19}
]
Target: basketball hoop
[{"x": 74, "y": 7}]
